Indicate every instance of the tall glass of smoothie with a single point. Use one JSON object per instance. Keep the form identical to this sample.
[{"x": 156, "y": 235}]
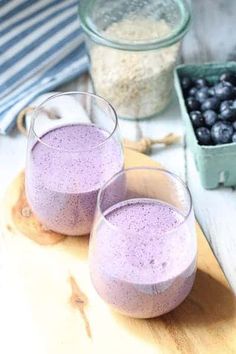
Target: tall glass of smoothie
[
  {"x": 72, "y": 152},
  {"x": 143, "y": 245}
]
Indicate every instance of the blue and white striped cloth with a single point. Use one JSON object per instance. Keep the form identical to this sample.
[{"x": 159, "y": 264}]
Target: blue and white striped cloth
[{"x": 41, "y": 46}]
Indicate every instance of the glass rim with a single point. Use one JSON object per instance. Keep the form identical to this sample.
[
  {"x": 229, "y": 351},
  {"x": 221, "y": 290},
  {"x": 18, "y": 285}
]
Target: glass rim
[
  {"x": 145, "y": 168},
  {"x": 70, "y": 93},
  {"x": 176, "y": 35}
]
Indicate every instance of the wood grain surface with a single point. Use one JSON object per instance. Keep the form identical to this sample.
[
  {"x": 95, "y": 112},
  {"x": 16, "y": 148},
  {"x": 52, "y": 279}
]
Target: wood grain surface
[{"x": 67, "y": 316}]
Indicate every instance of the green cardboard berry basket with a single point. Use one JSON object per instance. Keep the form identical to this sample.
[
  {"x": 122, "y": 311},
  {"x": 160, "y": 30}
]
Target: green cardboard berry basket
[{"x": 216, "y": 164}]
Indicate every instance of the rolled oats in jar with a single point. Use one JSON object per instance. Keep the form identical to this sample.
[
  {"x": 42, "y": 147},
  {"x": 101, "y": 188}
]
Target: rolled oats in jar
[{"x": 133, "y": 48}]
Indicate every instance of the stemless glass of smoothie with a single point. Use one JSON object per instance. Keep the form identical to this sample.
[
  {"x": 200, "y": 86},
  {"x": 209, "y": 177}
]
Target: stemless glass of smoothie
[
  {"x": 143, "y": 245},
  {"x": 72, "y": 152}
]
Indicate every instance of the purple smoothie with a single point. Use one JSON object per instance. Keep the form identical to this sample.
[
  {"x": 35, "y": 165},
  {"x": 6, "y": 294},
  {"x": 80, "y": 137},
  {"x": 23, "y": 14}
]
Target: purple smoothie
[
  {"x": 64, "y": 173},
  {"x": 143, "y": 258}
]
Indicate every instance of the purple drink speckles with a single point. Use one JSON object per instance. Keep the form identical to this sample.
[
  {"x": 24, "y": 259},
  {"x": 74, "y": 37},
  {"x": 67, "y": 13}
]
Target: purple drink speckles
[
  {"x": 65, "y": 172},
  {"x": 142, "y": 260}
]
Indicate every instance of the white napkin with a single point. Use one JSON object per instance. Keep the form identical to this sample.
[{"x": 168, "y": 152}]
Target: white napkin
[{"x": 67, "y": 107}]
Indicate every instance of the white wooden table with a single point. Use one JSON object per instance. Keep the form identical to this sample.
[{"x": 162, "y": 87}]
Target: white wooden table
[{"x": 211, "y": 38}]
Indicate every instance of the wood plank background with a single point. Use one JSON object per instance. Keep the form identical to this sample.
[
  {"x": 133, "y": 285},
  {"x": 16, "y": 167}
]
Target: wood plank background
[{"x": 212, "y": 38}]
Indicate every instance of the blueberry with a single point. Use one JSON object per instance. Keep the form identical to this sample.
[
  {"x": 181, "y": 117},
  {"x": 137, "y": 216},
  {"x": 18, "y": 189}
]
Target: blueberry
[
  {"x": 186, "y": 83},
  {"x": 211, "y": 103},
  {"x": 228, "y": 76},
  {"x": 234, "y": 138},
  {"x": 203, "y": 135},
  {"x": 192, "y": 92},
  {"x": 197, "y": 119},
  {"x": 222, "y": 132},
  {"x": 210, "y": 117},
  {"x": 234, "y": 125},
  {"x": 202, "y": 94},
  {"x": 192, "y": 104},
  {"x": 224, "y": 91},
  {"x": 227, "y": 110},
  {"x": 226, "y": 114},
  {"x": 225, "y": 104},
  {"x": 201, "y": 82}
]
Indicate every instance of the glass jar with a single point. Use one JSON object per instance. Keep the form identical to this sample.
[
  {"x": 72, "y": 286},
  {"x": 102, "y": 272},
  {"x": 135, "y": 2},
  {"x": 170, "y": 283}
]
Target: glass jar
[
  {"x": 133, "y": 47},
  {"x": 143, "y": 246},
  {"x": 71, "y": 154}
]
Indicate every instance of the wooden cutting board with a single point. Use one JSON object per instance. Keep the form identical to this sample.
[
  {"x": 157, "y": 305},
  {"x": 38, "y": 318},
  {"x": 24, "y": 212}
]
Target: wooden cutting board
[{"x": 67, "y": 315}]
